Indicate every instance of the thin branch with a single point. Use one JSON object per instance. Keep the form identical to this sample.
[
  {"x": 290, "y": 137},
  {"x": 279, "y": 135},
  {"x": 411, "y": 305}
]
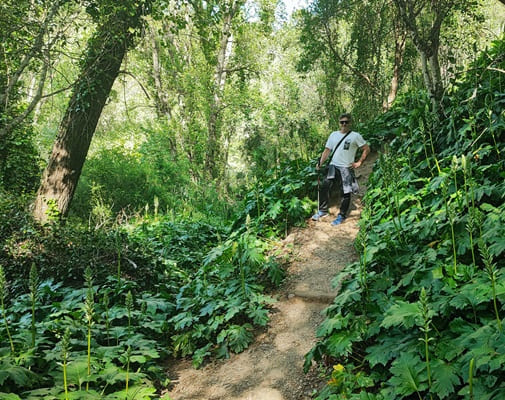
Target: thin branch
[
  {"x": 58, "y": 91},
  {"x": 136, "y": 80},
  {"x": 335, "y": 53},
  {"x": 497, "y": 69},
  {"x": 38, "y": 95},
  {"x": 37, "y": 46}
]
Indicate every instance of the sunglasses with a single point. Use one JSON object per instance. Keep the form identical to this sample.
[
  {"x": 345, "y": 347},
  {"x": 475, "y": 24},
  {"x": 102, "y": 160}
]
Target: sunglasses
[{"x": 344, "y": 122}]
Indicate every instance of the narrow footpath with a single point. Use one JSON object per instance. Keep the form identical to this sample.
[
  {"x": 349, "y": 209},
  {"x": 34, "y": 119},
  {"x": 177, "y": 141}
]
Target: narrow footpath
[{"x": 272, "y": 367}]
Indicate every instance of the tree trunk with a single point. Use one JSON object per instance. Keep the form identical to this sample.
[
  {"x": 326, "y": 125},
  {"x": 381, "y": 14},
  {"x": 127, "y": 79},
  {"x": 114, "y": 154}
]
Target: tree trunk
[
  {"x": 163, "y": 108},
  {"x": 423, "y": 20},
  {"x": 400, "y": 40},
  {"x": 105, "y": 53},
  {"x": 161, "y": 102},
  {"x": 213, "y": 147}
]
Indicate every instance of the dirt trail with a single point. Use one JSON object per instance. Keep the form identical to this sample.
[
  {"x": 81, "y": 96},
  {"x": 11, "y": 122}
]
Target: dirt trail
[{"x": 272, "y": 367}]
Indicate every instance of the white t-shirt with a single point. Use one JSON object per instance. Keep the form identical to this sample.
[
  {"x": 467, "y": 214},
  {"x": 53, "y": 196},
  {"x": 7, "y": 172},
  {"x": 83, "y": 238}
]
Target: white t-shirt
[{"x": 344, "y": 156}]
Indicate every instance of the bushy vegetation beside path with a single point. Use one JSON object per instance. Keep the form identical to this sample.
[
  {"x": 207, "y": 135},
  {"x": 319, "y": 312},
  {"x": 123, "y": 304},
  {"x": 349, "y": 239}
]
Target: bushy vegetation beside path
[
  {"x": 95, "y": 313},
  {"x": 420, "y": 315}
]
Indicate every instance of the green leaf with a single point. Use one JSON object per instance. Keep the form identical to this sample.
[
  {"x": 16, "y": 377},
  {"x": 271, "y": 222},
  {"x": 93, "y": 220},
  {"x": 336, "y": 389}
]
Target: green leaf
[
  {"x": 329, "y": 325},
  {"x": 77, "y": 371},
  {"x": 259, "y": 316},
  {"x": 9, "y": 396},
  {"x": 20, "y": 376},
  {"x": 45, "y": 393},
  {"x": 389, "y": 347},
  {"x": 182, "y": 320},
  {"x": 238, "y": 337},
  {"x": 275, "y": 210},
  {"x": 200, "y": 354},
  {"x": 444, "y": 378},
  {"x": 407, "y": 377},
  {"x": 84, "y": 395},
  {"x": 401, "y": 314},
  {"x": 144, "y": 392},
  {"x": 340, "y": 344},
  {"x": 232, "y": 311}
]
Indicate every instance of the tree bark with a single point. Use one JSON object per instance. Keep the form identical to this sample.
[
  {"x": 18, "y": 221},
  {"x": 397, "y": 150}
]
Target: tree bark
[{"x": 105, "y": 53}]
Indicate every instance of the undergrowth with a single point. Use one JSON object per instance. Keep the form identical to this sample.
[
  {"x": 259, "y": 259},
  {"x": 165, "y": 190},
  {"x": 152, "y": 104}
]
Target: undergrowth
[
  {"x": 420, "y": 315},
  {"x": 93, "y": 311}
]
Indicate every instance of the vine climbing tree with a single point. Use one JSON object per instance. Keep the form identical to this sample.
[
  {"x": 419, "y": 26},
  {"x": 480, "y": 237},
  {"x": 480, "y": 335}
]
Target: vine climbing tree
[{"x": 117, "y": 27}]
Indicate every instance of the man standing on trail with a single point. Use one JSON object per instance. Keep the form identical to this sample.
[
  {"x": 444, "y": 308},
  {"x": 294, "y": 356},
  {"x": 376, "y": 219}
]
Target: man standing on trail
[{"x": 344, "y": 143}]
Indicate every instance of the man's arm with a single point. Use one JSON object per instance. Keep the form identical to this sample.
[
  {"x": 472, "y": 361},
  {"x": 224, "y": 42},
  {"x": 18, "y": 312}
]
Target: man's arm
[
  {"x": 324, "y": 156},
  {"x": 366, "y": 151}
]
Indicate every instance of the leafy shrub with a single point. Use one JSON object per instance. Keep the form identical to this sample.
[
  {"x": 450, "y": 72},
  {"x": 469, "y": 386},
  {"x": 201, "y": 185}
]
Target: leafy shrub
[
  {"x": 131, "y": 182},
  {"x": 158, "y": 285},
  {"x": 419, "y": 316},
  {"x": 280, "y": 201}
]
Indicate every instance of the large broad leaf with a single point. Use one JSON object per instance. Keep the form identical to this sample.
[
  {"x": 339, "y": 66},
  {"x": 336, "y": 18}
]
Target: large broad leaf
[
  {"x": 143, "y": 392},
  {"x": 200, "y": 354},
  {"x": 156, "y": 304},
  {"x": 401, "y": 314},
  {"x": 113, "y": 374},
  {"x": 259, "y": 315},
  {"x": 329, "y": 325},
  {"x": 390, "y": 346},
  {"x": 444, "y": 378},
  {"x": 238, "y": 337},
  {"x": 22, "y": 377},
  {"x": 9, "y": 396},
  {"x": 84, "y": 395},
  {"x": 409, "y": 375},
  {"x": 340, "y": 344},
  {"x": 77, "y": 371},
  {"x": 44, "y": 393},
  {"x": 275, "y": 210}
]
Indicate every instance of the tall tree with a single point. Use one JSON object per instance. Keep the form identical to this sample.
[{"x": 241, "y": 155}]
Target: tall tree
[
  {"x": 32, "y": 33},
  {"x": 423, "y": 19},
  {"x": 216, "y": 40},
  {"x": 360, "y": 48},
  {"x": 21, "y": 48},
  {"x": 117, "y": 25}
]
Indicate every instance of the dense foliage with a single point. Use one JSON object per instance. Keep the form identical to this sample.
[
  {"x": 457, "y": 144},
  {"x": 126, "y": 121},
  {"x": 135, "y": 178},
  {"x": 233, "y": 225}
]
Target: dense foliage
[
  {"x": 104, "y": 307},
  {"x": 420, "y": 315}
]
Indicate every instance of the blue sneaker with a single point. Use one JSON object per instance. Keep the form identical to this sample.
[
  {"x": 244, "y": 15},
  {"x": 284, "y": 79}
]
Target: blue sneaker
[
  {"x": 320, "y": 214},
  {"x": 338, "y": 220}
]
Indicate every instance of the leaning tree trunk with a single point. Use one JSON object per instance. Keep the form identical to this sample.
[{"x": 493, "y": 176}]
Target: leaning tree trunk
[{"x": 105, "y": 53}]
